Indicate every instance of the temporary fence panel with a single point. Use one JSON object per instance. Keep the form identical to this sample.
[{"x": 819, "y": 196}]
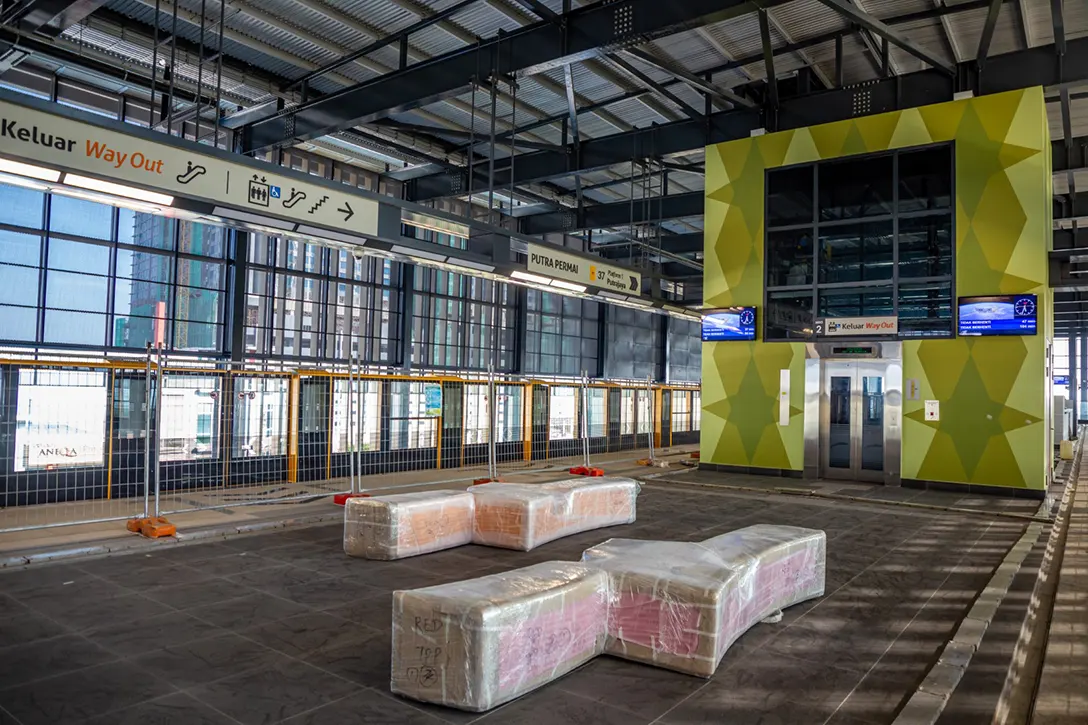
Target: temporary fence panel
[
  {"x": 125, "y": 440},
  {"x": 73, "y": 443}
]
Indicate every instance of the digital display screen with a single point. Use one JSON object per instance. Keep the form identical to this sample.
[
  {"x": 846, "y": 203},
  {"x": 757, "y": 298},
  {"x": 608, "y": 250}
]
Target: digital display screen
[
  {"x": 998, "y": 315},
  {"x": 731, "y": 323}
]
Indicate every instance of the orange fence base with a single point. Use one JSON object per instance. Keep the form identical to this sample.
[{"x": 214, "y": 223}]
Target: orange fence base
[
  {"x": 587, "y": 471},
  {"x": 341, "y": 499},
  {"x": 480, "y": 481},
  {"x": 154, "y": 527}
]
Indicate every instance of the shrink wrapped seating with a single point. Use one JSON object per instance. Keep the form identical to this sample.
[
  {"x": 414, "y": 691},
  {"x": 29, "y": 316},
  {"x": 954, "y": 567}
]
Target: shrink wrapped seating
[
  {"x": 524, "y": 516},
  {"x": 681, "y": 605},
  {"x": 407, "y": 524},
  {"x": 476, "y": 644}
]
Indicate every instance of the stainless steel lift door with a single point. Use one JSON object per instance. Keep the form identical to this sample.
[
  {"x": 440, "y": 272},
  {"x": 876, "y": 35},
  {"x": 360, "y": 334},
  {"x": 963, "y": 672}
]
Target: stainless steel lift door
[{"x": 852, "y": 420}]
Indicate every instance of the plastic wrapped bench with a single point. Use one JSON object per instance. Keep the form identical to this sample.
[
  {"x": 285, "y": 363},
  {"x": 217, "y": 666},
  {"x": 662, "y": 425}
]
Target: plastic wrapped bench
[{"x": 681, "y": 605}]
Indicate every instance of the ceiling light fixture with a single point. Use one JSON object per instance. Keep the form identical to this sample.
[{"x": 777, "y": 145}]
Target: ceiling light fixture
[
  {"x": 108, "y": 187},
  {"x": 568, "y": 285},
  {"x": 259, "y": 219},
  {"x": 529, "y": 277},
  {"x": 34, "y": 172},
  {"x": 418, "y": 253}
]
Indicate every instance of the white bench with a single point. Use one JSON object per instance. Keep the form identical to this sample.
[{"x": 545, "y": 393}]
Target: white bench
[
  {"x": 681, "y": 605},
  {"x": 476, "y": 644},
  {"x": 407, "y": 524},
  {"x": 524, "y": 516}
]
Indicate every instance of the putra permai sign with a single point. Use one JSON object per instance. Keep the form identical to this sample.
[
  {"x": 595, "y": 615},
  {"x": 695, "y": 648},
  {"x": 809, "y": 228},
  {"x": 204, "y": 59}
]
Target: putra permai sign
[{"x": 551, "y": 261}]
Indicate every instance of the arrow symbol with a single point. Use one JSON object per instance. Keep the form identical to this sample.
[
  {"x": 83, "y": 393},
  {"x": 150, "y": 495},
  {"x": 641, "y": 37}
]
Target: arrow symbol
[
  {"x": 347, "y": 211},
  {"x": 634, "y": 283}
]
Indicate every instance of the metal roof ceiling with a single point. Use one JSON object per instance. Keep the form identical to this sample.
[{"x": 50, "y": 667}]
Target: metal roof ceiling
[{"x": 268, "y": 43}]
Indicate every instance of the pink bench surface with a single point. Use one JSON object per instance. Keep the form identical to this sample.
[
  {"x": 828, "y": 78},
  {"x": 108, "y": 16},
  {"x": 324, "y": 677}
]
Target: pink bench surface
[{"x": 681, "y": 605}]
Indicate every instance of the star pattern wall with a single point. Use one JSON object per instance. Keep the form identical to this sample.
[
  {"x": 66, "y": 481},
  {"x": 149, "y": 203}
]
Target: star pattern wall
[{"x": 993, "y": 390}]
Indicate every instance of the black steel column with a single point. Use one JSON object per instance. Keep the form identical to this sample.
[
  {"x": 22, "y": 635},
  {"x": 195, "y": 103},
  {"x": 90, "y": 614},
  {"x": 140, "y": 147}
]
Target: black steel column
[
  {"x": 407, "y": 307},
  {"x": 1074, "y": 386},
  {"x": 236, "y": 316},
  {"x": 1083, "y": 397}
]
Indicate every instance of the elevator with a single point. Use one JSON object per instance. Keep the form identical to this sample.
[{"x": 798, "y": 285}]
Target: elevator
[{"x": 853, "y": 411}]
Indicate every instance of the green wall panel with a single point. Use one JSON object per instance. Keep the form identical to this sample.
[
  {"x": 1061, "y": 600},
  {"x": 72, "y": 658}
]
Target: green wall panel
[{"x": 993, "y": 391}]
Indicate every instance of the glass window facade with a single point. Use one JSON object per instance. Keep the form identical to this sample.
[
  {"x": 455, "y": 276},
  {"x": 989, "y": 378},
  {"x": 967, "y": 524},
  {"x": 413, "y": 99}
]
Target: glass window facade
[
  {"x": 313, "y": 302},
  {"x": 76, "y": 273},
  {"x": 634, "y": 344},
  {"x": 461, "y": 322},
  {"x": 859, "y": 237},
  {"x": 562, "y": 333}
]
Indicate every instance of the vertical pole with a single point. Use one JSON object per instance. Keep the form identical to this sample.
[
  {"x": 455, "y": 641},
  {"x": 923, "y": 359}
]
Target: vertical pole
[
  {"x": 359, "y": 398},
  {"x": 351, "y": 421},
  {"x": 147, "y": 433},
  {"x": 492, "y": 466},
  {"x": 650, "y": 432},
  {"x": 491, "y": 153},
  {"x": 1074, "y": 382},
  {"x": 219, "y": 72},
  {"x": 158, "y": 431},
  {"x": 585, "y": 420},
  {"x": 1082, "y": 396}
]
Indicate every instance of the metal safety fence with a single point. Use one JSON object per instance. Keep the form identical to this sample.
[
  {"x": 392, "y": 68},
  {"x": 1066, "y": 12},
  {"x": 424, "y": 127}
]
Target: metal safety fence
[{"x": 103, "y": 441}]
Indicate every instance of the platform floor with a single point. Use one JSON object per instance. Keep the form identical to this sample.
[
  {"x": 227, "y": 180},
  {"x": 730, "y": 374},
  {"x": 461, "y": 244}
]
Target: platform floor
[{"x": 283, "y": 627}]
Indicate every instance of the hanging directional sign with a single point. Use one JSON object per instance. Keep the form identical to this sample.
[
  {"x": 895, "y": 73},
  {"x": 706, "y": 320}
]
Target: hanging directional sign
[
  {"x": 46, "y": 139},
  {"x": 551, "y": 261}
]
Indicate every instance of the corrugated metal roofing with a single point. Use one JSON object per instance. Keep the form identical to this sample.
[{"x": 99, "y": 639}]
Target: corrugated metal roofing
[{"x": 287, "y": 38}]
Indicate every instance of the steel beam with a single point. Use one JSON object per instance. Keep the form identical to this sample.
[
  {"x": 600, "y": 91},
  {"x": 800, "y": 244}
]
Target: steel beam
[
  {"x": 721, "y": 95},
  {"x": 690, "y": 204},
  {"x": 1071, "y": 206},
  {"x": 1005, "y": 72},
  {"x": 867, "y": 21},
  {"x": 585, "y": 33},
  {"x": 46, "y": 17},
  {"x": 650, "y": 84},
  {"x": 768, "y": 61},
  {"x": 987, "y": 33},
  {"x": 617, "y": 214}
]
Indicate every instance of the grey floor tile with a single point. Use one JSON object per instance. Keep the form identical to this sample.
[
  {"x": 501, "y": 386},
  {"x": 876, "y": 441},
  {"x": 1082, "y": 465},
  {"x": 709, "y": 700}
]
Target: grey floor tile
[
  {"x": 48, "y": 657},
  {"x": 553, "y": 706},
  {"x": 245, "y": 612},
  {"x": 362, "y": 656},
  {"x": 193, "y": 663},
  {"x": 80, "y": 614},
  {"x": 198, "y": 594},
  {"x": 402, "y": 576},
  {"x": 367, "y": 707},
  {"x": 234, "y": 563},
  {"x": 637, "y": 688},
  {"x": 25, "y": 627},
  {"x": 9, "y": 606},
  {"x": 86, "y": 693},
  {"x": 137, "y": 637},
  {"x": 278, "y": 578},
  {"x": 302, "y": 633},
  {"x": 274, "y": 693},
  {"x": 766, "y": 689},
  {"x": 157, "y": 574},
  {"x": 323, "y": 593},
  {"x": 57, "y": 594},
  {"x": 375, "y": 611},
  {"x": 176, "y": 709}
]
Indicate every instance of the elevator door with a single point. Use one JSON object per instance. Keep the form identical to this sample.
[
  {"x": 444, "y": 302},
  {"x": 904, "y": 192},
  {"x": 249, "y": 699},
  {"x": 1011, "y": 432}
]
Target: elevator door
[{"x": 852, "y": 423}]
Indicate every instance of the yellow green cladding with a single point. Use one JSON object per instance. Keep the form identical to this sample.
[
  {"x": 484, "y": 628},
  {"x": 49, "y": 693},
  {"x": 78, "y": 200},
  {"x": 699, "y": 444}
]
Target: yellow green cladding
[{"x": 992, "y": 390}]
